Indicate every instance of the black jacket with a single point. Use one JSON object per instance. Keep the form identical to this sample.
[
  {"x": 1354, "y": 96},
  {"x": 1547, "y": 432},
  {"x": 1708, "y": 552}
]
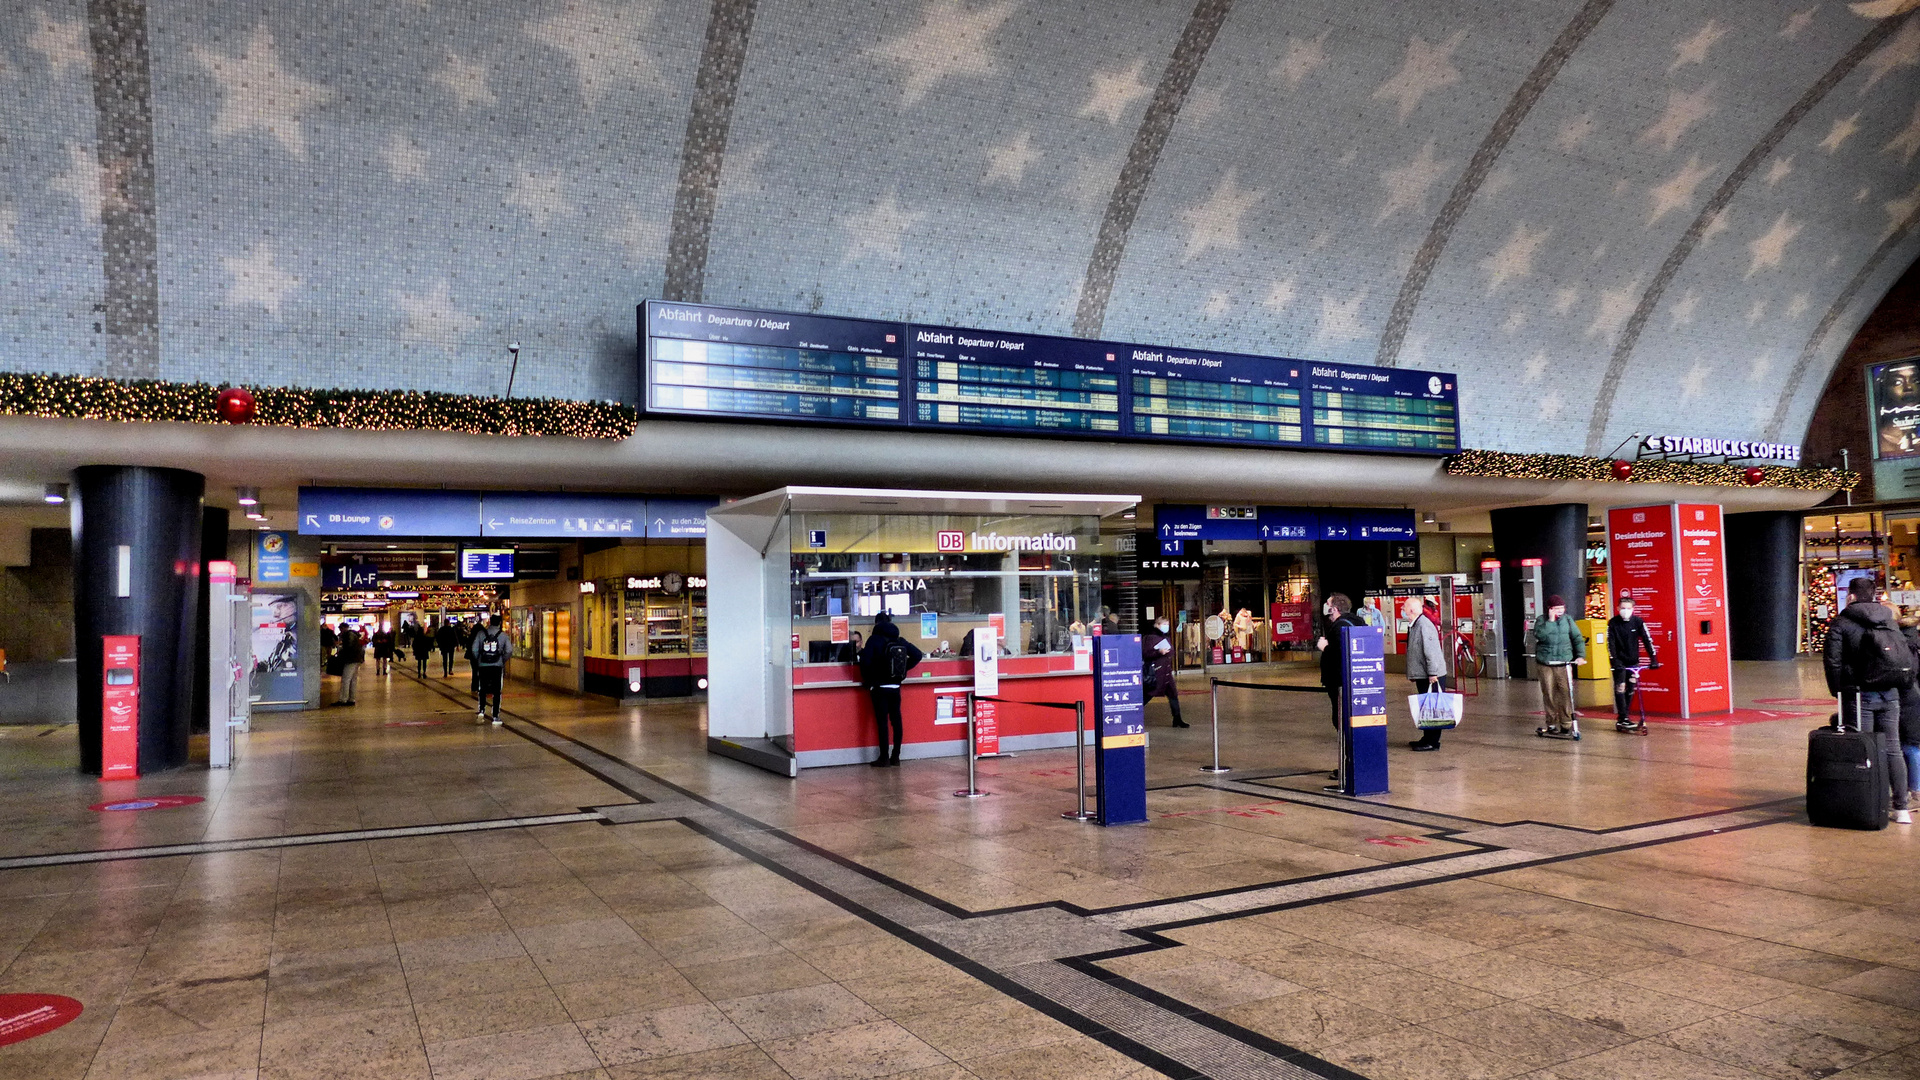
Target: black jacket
[
  {"x": 1158, "y": 665},
  {"x": 446, "y": 637},
  {"x": 1910, "y": 698},
  {"x": 873, "y": 655},
  {"x": 1330, "y": 656},
  {"x": 1625, "y": 639},
  {"x": 1843, "y": 643},
  {"x": 352, "y": 649}
]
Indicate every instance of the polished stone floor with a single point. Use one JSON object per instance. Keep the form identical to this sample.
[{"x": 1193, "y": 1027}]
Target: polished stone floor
[{"x": 391, "y": 891}]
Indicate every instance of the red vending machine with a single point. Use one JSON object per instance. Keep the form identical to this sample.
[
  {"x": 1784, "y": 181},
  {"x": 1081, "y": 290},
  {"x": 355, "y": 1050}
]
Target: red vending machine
[
  {"x": 1672, "y": 560},
  {"x": 120, "y": 707}
]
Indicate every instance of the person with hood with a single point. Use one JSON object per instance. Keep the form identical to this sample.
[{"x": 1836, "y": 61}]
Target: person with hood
[
  {"x": 884, "y": 663},
  {"x": 1336, "y": 612},
  {"x": 1156, "y": 650},
  {"x": 1557, "y": 647},
  {"x": 489, "y": 650},
  {"x": 1867, "y": 661},
  {"x": 1629, "y": 648},
  {"x": 1426, "y": 665}
]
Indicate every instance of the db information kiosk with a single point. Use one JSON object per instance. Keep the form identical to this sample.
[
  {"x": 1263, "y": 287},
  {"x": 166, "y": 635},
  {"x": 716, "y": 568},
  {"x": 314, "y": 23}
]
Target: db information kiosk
[{"x": 797, "y": 580}]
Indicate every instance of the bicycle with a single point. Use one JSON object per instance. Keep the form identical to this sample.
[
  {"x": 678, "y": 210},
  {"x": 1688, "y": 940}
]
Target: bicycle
[{"x": 1466, "y": 658}]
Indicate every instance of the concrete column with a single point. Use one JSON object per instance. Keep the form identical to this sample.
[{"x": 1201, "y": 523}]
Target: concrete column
[
  {"x": 136, "y": 570},
  {"x": 1763, "y": 584},
  {"x": 1557, "y": 536}
]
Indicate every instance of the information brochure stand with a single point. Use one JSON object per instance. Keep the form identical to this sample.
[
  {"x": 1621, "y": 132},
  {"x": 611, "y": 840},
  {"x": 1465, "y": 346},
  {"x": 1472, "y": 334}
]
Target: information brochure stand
[
  {"x": 1120, "y": 755},
  {"x": 1363, "y": 718}
]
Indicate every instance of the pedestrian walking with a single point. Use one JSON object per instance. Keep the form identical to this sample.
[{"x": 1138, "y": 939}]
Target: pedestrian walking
[
  {"x": 1156, "y": 647},
  {"x": 489, "y": 653},
  {"x": 1867, "y": 662},
  {"x": 382, "y": 651},
  {"x": 422, "y": 649},
  {"x": 352, "y": 653},
  {"x": 1557, "y": 647},
  {"x": 1426, "y": 665},
  {"x": 1629, "y": 649},
  {"x": 448, "y": 639}
]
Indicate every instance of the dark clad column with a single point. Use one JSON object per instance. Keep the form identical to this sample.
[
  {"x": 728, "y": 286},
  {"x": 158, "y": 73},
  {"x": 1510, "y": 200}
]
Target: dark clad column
[
  {"x": 1557, "y": 536},
  {"x": 156, "y": 515},
  {"x": 1763, "y": 584}
]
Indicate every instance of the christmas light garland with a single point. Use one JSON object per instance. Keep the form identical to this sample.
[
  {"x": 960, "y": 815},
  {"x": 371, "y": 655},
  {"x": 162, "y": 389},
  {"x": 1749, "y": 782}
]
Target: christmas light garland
[
  {"x": 80, "y": 397},
  {"x": 1506, "y": 466}
]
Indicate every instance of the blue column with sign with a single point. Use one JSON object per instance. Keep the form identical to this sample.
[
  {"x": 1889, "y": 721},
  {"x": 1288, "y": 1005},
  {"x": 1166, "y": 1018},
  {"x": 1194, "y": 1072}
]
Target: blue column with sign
[
  {"x": 1120, "y": 724},
  {"x": 1363, "y": 727}
]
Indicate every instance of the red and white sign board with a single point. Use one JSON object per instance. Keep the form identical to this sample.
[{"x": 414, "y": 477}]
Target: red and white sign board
[
  {"x": 986, "y": 727},
  {"x": 23, "y": 1016},
  {"x": 120, "y": 707},
  {"x": 839, "y": 630},
  {"x": 999, "y": 624},
  {"x": 1672, "y": 560}
]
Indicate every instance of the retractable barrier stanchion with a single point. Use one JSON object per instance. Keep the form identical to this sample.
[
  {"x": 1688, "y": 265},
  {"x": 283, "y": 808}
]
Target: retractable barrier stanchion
[
  {"x": 1213, "y": 700},
  {"x": 1079, "y": 750},
  {"x": 1213, "y": 693},
  {"x": 972, "y": 790}
]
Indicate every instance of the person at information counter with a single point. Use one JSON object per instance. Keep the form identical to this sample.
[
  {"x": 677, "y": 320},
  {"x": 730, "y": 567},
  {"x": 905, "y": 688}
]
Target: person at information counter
[
  {"x": 1156, "y": 647},
  {"x": 884, "y": 664}
]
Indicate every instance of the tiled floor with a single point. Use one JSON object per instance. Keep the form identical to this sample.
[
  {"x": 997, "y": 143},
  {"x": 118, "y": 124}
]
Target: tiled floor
[{"x": 831, "y": 926}]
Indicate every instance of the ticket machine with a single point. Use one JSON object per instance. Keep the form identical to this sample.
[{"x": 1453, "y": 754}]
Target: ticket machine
[
  {"x": 1533, "y": 604},
  {"x": 1490, "y": 635}
]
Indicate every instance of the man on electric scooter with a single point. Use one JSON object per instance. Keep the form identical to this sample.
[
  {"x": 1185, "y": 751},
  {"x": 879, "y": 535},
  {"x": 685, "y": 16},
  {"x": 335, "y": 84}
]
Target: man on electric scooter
[
  {"x": 1626, "y": 637},
  {"x": 1557, "y": 647}
]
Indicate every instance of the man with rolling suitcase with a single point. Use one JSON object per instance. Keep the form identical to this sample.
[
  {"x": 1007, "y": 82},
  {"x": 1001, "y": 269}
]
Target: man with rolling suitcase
[{"x": 1857, "y": 764}]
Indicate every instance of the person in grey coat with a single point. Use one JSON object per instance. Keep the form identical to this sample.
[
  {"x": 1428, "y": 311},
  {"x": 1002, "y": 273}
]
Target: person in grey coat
[{"x": 1426, "y": 665}]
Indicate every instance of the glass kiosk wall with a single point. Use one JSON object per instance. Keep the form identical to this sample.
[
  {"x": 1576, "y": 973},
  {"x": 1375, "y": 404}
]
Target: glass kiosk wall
[{"x": 798, "y": 577}]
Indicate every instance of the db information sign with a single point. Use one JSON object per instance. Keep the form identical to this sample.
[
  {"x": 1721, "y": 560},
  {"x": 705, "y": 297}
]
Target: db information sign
[{"x": 120, "y": 707}]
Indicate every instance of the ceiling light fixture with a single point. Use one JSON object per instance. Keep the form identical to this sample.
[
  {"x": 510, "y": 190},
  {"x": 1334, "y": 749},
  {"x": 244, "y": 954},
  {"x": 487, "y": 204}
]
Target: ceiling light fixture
[
  {"x": 56, "y": 494},
  {"x": 247, "y": 496}
]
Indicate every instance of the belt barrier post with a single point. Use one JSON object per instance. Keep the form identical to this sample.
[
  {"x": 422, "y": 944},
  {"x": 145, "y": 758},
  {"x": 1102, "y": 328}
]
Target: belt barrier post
[
  {"x": 1079, "y": 763},
  {"x": 972, "y": 790},
  {"x": 1213, "y": 699}
]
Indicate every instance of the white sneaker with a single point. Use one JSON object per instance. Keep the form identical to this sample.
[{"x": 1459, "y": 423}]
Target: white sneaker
[{"x": 1903, "y": 817}]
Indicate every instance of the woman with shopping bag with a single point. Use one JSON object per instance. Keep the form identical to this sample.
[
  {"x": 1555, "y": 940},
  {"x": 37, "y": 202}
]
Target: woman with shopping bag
[{"x": 1434, "y": 710}]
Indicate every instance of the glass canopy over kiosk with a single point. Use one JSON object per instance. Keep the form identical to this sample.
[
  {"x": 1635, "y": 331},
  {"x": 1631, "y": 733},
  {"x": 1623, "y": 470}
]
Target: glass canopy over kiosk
[{"x": 798, "y": 576}]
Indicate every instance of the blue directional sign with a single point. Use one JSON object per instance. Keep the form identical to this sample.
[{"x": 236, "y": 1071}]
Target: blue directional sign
[
  {"x": 388, "y": 512},
  {"x": 1120, "y": 757},
  {"x": 678, "y": 518},
  {"x": 1288, "y": 523},
  {"x": 1363, "y": 728},
  {"x": 1383, "y": 525},
  {"x": 1173, "y": 521},
  {"x": 562, "y": 514},
  {"x": 1336, "y": 524},
  {"x": 350, "y": 575}
]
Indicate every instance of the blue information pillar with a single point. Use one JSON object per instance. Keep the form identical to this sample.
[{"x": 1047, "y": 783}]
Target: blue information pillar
[
  {"x": 1363, "y": 728},
  {"x": 1120, "y": 755}
]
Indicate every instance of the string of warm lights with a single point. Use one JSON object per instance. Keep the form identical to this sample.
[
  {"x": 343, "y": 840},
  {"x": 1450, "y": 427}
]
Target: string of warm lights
[
  {"x": 81, "y": 397},
  {"x": 1507, "y": 466}
]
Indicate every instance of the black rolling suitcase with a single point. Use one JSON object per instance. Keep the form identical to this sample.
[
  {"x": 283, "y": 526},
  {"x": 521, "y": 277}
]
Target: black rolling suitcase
[{"x": 1847, "y": 778}]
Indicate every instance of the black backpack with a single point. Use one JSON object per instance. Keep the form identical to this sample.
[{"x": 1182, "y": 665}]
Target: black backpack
[
  {"x": 895, "y": 662},
  {"x": 490, "y": 648},
  {"x": 1882, "y": 660}
]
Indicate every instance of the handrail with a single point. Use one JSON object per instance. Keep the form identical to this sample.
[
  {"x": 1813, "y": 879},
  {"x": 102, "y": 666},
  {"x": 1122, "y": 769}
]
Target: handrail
[
  {"x": 1079, "y": 748},
  {"x": 1213, "y": 701}
]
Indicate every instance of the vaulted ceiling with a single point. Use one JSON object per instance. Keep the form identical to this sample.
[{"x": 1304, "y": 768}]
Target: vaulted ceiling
[{"x": 1607, "y": 216}]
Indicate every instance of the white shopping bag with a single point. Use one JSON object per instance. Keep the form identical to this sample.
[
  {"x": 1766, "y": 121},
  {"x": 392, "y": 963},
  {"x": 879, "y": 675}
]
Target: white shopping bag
[{"x": 1437, "y": 709}]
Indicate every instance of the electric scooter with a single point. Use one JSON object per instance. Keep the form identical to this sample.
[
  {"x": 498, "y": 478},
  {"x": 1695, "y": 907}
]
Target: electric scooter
[
  {"x": 1629, "y": 727},
  {"x": 1572, "y": 731}
]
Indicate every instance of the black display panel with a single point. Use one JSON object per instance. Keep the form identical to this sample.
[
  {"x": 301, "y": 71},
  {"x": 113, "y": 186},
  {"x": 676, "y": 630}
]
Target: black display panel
[
  {"x": 1370, "y": 408},
  {"x": 985, "y": 379},
  {"x": 1190, "y": 395},
  {"x": 709, "y": 361},
  {"x": 703, "y": 360}
]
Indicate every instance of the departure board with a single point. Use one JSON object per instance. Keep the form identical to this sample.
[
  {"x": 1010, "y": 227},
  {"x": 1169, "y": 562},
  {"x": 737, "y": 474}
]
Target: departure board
[
  {"x": 721, "y": 362},
  {"x": 984, "y": 379},
  {"x": 712, "y": 361},
  {"x": 1369, "y": 408},
  {"x": 1190, "y": 394}
]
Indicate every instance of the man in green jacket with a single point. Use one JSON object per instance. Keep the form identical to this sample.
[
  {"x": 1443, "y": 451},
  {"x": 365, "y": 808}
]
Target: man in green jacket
[{"x": 1556, "y": 647}]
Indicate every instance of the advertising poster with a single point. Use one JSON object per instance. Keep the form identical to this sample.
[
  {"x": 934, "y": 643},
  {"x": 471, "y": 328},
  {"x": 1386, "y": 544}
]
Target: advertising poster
[
  {"x": 1703, "y": 585},
  {"x": 986, "y": 665},
  {"x": 1894, "y": 398},
  {"x": 1640, "y": 557},
  {"x": 272, "y": 563},
  {"x": 276, "y": 649}
]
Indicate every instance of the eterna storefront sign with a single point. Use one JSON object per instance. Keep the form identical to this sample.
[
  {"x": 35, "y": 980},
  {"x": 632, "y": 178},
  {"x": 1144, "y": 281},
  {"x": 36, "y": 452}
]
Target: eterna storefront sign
[{"x": 1731, "y": 449}]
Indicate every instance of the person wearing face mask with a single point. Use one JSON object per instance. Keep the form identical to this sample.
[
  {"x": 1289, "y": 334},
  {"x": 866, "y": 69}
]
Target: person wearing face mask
[
  {"x": 1336, "y": 612},
  {"x": 1156, "y": 651},
  {"x": 1557, "y": 647},
  {"x": 1626, "y": 638}
]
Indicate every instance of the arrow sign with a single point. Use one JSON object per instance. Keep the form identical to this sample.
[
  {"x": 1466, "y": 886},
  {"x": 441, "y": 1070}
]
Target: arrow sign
[{"x": 313, "y": 520}]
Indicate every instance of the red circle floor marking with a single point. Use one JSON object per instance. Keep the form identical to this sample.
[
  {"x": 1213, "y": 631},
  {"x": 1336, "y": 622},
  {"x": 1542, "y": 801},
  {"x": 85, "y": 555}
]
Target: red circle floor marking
[
  {"x": 22, "y": 1016},
  {"x": 148, "y": 802}
]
